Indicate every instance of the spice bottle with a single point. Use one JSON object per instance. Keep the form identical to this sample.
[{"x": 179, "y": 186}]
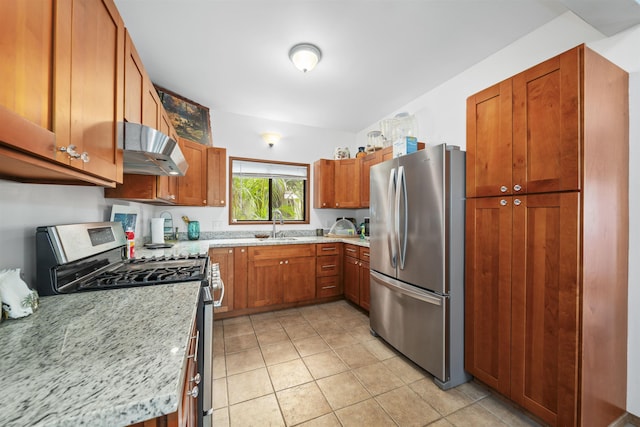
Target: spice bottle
[{"x": 131, "y": 243}]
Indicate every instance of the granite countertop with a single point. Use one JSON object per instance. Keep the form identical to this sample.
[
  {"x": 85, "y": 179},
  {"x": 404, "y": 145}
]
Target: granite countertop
[
  {"x": 105, "y": 358},
  {"x": 183, "y": 247}
]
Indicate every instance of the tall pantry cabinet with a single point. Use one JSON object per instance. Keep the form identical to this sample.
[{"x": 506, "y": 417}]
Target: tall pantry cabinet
[{"x": 547, "y": 238}]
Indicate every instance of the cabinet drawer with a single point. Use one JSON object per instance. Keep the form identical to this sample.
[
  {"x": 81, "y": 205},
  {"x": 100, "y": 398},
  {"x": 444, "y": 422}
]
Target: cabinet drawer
[
  {"x": 364, "y": 254},
  {"x": 280, "y": 251},
  {"x": 323, "y": 249},
  {"x": 351, "y": 250},
  {"x": 328, "y": 286},
  {"x": 328, "y": 265}
]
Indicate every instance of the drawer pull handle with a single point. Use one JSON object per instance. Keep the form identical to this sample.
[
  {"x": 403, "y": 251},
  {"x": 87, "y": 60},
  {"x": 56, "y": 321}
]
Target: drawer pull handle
[
  {"x": 350, "y": 250},
  {"x": 195, "y": 353},
  {"x": 329, "y": 266},
  {"x": 328, "y": 287},
  {"x": 365, "y": 254},
  {"x": 332, "y": 248}
]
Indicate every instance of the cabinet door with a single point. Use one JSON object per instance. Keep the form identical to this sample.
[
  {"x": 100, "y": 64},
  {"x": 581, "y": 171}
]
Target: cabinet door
[
  {"x": 240, "y": 276},
  {"x": 365, "y": 287},
  {"x": 192, "y": 188},
  {"x": 546, "y": 125},
  {"x": 545, "y": 295},
  {"x": 264, "y": 282},
  {"x": 365, "y": 166},
  {"x": 323, "y": 183},
  {"x": 299, "y": 279},
  {"x": 26, "y": 69},
  {"x": 224, "y": 257},
  {"x": 488, "y": 291},
  {"x": 351, "y": 279},
  {"x": 89, "y": 85},
  {"x": 347, "y": 183},
  {"x": 216, "y": 176},
  {"x": 134, "y": 82},
  {"x": 489, "y": 163}
]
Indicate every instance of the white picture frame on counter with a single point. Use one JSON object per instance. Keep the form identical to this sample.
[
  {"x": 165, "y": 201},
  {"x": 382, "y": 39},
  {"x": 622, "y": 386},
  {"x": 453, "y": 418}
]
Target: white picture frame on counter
[{"x": 126, "y": 215}]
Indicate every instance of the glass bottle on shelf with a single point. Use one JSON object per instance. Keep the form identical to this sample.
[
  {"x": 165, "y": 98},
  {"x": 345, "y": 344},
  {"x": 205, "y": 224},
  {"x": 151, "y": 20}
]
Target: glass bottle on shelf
[{"x": 361, "y": 152}]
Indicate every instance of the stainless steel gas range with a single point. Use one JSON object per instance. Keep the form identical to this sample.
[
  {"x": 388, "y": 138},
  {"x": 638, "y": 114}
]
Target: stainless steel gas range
[{"x": 92, "y": 256}]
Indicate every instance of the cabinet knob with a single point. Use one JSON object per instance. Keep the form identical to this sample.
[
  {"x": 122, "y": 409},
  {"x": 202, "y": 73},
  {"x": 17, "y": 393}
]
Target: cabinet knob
[
  {"x": 73, "y": 154},
  {"x": 196, "y": 379},
  {"x": 241, "y": 250},
  {"x": 194, "y": 392},
  {"x": 281, "y": 262},
  {"x": 517, "y": 202},
  {"x": 503, "y": 189},
  {"x": 204, "y": 202},
  {"x": 172, "y": 197},
  {"x": 503, "y": 202},
  {"x": 517, "y": 187},
  {"x": 286, "y": 262},
  {"x": 222, "y": 202},
  {"x": 231, "y": 251}
]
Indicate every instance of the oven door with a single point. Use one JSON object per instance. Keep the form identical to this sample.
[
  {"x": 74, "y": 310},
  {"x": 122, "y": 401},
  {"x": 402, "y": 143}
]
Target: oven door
[{"x": 207, "y": 368}]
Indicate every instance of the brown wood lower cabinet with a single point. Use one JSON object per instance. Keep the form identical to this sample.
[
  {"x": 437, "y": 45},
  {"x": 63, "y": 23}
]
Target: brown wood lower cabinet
[
  {"x": 356, "y": 275},
  {"x": 328, "y": 269},
  {"x": 525, "y": 332},
  {"x": 280, "y": 274}
]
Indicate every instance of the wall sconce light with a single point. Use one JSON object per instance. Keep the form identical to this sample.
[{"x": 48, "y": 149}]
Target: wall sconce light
[
  {"x": 271, "y": 138},
  {"x": 305, "y": 56}
]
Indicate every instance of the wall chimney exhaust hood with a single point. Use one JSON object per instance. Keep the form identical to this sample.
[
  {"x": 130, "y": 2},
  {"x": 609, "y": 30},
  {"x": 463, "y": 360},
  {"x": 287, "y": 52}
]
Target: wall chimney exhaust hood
[{"x": 147, "y": 151}]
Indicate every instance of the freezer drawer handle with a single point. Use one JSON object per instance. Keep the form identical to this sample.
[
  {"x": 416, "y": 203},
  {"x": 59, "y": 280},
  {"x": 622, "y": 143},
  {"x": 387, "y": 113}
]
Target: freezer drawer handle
[{"x": 396, "y": 286}]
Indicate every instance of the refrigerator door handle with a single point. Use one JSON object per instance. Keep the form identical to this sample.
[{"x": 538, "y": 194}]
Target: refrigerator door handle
[
  {"x": 391, "y": 190},
  {"x": 401, "y": 229},
  {"x": 401, "y": 288}
]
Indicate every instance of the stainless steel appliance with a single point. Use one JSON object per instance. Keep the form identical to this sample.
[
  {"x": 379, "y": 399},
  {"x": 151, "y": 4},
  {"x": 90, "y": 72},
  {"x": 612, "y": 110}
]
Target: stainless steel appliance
[
  {"x": 92, "y": 257},
  {"x": 417, "y": 259}
]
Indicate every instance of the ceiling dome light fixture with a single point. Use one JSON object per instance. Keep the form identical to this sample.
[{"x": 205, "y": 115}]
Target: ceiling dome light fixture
[{"x": 305, "y": 56}]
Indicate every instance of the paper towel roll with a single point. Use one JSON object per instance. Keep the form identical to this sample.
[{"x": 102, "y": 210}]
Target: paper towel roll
[{"x": 157, "y": 230}]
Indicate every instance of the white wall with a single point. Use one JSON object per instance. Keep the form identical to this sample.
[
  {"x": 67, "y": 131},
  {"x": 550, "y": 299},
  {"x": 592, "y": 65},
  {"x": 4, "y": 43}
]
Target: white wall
[{"x": 441, "y": 115}]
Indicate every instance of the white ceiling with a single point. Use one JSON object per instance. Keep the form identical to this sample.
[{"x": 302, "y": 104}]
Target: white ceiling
[{"x": 378, "y": 55}]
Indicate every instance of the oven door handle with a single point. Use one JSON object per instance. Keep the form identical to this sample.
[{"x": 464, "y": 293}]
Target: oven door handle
[{"x": 218, "y": 303}]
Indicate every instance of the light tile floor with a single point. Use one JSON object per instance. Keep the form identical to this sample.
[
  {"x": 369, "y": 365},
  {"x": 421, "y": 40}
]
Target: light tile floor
[{"x": 320, "y": 366}]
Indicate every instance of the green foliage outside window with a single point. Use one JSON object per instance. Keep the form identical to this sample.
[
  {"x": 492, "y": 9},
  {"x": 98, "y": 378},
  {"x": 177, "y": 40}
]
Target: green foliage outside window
[{"x": 254, "y": 198}]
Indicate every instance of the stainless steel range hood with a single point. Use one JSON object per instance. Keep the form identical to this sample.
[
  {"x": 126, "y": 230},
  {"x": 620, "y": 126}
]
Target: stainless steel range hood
[{"x": 148, "y": 151}]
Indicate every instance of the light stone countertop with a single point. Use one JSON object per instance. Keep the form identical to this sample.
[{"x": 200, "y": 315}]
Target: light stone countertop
[
  {"x": 183, "y": 247},
  {"x": 101, "y": 359}
]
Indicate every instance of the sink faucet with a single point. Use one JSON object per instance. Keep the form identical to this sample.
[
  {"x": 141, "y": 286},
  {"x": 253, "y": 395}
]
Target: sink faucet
[{"x": 276, "y": 213}]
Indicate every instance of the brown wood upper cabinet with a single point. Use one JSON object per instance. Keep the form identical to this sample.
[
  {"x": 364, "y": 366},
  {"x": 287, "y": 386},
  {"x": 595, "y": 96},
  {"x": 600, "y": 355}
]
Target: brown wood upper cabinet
[
  {"x": 522, "y": 134},
  {"x": 205, "y": 181},
  {"x": 65, "y": 75},
  {"x": 142, "y": 105},
  {"x": 345, "y": 183},
  {"x": 547, "y": 267}
]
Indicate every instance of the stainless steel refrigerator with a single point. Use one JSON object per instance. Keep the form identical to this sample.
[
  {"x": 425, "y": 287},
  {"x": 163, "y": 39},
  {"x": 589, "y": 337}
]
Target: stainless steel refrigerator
[{"x": 417, "y": 259}]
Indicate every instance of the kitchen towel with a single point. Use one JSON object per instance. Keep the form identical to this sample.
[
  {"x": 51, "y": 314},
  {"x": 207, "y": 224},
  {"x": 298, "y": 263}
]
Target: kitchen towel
[
  {"x": 17, "y": 299},
  {"x": 157, "y": 230}
]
